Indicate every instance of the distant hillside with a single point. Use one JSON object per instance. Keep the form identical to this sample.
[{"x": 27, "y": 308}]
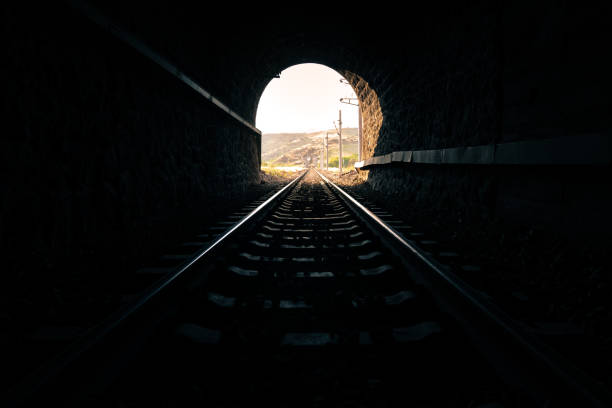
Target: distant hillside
[{"x": 291, "y": 149}]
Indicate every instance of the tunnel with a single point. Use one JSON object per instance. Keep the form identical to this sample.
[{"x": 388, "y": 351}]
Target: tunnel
[{"x": 130, "y": 125}]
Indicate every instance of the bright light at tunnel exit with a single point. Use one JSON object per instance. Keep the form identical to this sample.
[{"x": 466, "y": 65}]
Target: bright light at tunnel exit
[{"x": 306, "y": 98}]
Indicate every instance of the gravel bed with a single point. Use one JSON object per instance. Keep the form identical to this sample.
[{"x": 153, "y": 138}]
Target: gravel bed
[{"x": 551, "y": 282}]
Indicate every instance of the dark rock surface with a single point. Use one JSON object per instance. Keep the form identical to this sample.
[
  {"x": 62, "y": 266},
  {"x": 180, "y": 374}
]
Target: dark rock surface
[{"x": 551, "y": 280}]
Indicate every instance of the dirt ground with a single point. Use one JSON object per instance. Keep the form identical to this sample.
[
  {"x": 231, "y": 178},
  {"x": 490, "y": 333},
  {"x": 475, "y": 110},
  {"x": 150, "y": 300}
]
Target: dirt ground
[{"x": 276, "y": 177}]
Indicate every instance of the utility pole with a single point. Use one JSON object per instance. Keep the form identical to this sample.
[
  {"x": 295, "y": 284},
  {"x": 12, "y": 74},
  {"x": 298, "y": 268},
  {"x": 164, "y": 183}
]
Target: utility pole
[
  {"x": 340, "y": 140},
  {"x": 348, "y": 102},
  {"x": 359, "y": 135},
  {"x": 321, "y": 159},
  {"x": 326, "y": 151}
]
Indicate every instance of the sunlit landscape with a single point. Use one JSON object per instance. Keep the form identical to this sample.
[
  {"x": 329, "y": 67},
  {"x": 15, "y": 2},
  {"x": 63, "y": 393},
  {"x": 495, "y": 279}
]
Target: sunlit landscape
[
  {"x": 297, "y": 111},
  {"x": 296, "y": 150}
]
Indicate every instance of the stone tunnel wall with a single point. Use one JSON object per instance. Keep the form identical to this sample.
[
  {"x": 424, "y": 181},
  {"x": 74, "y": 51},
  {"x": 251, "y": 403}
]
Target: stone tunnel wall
[
  {"x": 371, "y": 114},
  {"x": 107, "y": 154},
  {"x": 556, "y": 80},
  {"x": 443, "y": 92},
  {"x": 514, "y": 74}
]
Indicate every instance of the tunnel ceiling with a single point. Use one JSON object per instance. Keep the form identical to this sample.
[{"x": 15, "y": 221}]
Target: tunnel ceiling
[{"x": 236, "y": 51}]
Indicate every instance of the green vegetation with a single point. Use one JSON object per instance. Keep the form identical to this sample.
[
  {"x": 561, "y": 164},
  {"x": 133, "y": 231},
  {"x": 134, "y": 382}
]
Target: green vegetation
[{"x": 346, "y": 161}]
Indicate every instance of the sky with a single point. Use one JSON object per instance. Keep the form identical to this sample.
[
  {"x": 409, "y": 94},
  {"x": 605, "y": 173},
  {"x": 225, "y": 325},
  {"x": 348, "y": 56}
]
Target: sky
[{"x": 305, "y": 99}]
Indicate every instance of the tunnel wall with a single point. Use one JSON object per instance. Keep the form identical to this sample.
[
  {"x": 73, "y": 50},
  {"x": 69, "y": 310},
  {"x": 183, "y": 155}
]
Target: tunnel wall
[
  {"x": 108, "y": 155},
  {"x": 520, "y": 74},
  {"x": 556, "y": 80},
  {"x": 444, "y": 91},
  {"x": 371, "y": 114}
]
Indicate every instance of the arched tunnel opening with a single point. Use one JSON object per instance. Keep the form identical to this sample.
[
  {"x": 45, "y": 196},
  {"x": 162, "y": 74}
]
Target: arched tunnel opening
[
  {"x": 298, "y": 114},
  {"x": 131, "y": 155}
]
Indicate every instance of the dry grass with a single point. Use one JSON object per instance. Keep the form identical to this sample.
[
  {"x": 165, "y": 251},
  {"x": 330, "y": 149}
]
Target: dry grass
[
  {"x": 348, "y": 177},
  {"x": 272, "y": 175}
]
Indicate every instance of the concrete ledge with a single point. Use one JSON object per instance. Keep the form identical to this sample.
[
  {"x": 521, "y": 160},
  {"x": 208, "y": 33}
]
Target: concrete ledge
[{"x": 575, "y": 150}]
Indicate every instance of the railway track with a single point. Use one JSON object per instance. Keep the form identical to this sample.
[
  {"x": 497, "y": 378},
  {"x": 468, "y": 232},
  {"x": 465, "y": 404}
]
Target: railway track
[{"x": 310, "y": 300}]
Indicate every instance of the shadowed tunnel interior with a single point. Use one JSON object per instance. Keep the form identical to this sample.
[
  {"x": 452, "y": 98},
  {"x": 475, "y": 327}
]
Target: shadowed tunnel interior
[{"x": 109, "y": 152}]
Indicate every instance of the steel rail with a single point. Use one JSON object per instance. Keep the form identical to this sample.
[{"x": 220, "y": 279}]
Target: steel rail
[
  {"x": 27, "y": 388},
  {"x": 580, "y": 382}
]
